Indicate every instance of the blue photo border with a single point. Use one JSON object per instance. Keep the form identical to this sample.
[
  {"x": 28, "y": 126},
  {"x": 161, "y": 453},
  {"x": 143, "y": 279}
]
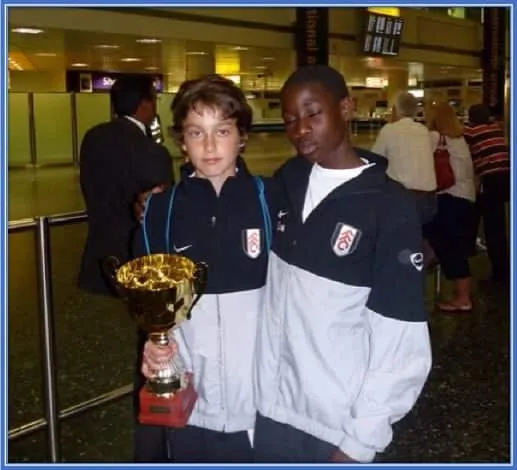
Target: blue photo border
[
  {"x": 3, "y": 231},
  {"x": 213, "y": 3}
]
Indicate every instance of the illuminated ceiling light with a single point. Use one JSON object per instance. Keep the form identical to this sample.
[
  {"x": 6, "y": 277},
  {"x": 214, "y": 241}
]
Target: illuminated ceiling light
[
  {"x": 14, "y": 65},
  {"x": 389, "y": 11},
  {"x": 130, "y": 59},
  {"x": 196, "y": 53},
  {"x": 149, "y": 41},
  {"x": 234, "y": 78},
  {"x": 46, "y": 54},
  {"x": 151, "y": 68},
  {"x": 375, "y": 82},
  {"x": 239, "y": 48},
  {"x": 107, "y": 46},
  {"x": 268, "y": 59},
  {"x": 262, "y": 67},
  {"x": 79, "y": 64},
  {"x": 27, "y": 30}
]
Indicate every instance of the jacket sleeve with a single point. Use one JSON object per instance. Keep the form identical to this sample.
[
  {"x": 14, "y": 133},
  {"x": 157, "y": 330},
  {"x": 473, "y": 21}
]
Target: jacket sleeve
[
  {"x": 274, "y": 198},
  {"x": 154, "y": 167},
  {"x": 400, "y": 350}
]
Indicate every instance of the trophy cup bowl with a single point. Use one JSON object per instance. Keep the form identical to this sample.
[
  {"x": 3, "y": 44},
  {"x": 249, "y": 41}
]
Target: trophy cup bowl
[{"x": 160, "y": 291}]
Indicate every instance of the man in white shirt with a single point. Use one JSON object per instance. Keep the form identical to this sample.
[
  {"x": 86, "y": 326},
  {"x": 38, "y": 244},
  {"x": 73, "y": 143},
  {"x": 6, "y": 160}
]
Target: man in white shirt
[{"x": 406, "y": 145}]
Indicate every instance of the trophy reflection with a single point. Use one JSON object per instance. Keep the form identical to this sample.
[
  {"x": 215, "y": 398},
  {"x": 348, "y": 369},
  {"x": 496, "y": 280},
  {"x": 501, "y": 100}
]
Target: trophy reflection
[{"x": 160, "y": 291}]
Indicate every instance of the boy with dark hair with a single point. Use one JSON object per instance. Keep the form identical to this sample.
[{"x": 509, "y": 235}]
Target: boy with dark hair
[
  {"x": 217, "y": 214},
  {"x": 343, "y": 347}
]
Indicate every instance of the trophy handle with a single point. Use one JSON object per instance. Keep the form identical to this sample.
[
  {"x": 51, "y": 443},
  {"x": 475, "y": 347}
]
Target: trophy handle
[
  {"x": 110, "y": 266},
  {"x": 200, "y": 279}
]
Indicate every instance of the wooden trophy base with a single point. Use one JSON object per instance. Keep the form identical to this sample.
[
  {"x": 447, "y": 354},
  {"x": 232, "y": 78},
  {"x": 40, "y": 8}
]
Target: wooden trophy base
[{"x": 171, "y": 412}]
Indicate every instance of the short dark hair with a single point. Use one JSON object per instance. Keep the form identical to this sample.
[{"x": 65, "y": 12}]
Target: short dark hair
[
  {"x": 479, "y": 114},
  {"x": 129, "y": 91},
  {"x": 215, "y": 92},
  {"x": 328, "y": 77}
]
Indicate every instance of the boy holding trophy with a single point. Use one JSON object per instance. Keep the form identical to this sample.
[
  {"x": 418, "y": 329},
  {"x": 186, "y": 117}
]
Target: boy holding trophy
[
  {"x": 343, "y": 346},
  {"x": 217, "y": 214}
]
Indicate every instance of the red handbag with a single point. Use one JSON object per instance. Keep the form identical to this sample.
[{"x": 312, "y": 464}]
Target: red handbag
[{"x": 442, "y": 166}]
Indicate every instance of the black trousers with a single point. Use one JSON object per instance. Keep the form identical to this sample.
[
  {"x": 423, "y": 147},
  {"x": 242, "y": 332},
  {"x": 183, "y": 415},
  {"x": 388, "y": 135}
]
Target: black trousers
[
  {"x": 280, "y": 443},
  {"x": 491, "y": 207},
  {"x": 450, "y": 234},
  {"x": 426, "y": 204},
  {"x": 192, "y": 444},
  {"x": 149, "y": 442}
]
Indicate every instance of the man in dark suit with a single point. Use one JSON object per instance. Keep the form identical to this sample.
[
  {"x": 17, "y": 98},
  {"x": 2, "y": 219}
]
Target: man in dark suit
[{"x": 118, "y": 161}]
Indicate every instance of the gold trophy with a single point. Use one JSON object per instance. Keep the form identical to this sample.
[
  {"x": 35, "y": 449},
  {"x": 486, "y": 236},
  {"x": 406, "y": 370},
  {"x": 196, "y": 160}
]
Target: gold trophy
[{"x": 161, "y": 291}]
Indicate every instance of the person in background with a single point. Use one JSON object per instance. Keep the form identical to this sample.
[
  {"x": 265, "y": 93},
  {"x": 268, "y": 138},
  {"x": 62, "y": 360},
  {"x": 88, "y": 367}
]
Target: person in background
[
  {"x": 449, "y": 233},
  {"x": 343, "y": 351},
  {"x": 405, "y": 144},
  {"x": 219, "y": 214},
  {"x": 490, "y": 155},
  {"x": 118, "y": 161}
]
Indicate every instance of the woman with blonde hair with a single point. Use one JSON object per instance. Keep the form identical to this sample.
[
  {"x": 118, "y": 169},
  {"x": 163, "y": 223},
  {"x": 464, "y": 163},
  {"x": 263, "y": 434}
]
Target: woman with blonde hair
[{"x": 450, "y": 231}]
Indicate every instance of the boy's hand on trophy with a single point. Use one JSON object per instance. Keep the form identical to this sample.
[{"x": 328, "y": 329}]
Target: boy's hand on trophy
[{"x": 156, "y": 357}]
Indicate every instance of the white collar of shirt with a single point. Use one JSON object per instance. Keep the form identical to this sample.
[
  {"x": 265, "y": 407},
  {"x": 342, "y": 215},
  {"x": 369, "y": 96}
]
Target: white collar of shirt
[
  {"x": 322, "y": 181},
  {"x": 137, "y": 122},
  {"x": 343, "y": 174},
  {"x": 406, "y": 120}
]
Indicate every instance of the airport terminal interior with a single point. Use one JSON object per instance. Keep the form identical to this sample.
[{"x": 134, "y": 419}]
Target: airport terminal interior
[{"x": 62, "y": 63}]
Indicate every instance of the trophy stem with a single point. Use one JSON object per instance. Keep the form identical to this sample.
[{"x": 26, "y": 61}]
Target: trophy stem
[{"x": 161, "y": 338}]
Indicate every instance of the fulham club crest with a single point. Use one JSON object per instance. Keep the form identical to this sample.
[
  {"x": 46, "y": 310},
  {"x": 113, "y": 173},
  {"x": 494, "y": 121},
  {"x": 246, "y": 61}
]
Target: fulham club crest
[
  {"x": 344, "y": 239},
  {"x": 251, "y": 242}
]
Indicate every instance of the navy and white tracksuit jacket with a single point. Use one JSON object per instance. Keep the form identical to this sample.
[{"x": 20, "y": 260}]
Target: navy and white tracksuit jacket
[
  {"x": 343, "y": 348},
  {"x": 217, "y": 344}
]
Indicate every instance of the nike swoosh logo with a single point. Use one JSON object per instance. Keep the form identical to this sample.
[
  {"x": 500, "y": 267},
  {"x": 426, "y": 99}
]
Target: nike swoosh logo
[
  {"x": 182, "y": 248},
  {"x": 282, "y": 214}
]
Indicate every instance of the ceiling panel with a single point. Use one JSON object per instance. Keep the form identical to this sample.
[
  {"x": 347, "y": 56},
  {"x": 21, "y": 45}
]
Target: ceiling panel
[{"x": 58, "y": 49}]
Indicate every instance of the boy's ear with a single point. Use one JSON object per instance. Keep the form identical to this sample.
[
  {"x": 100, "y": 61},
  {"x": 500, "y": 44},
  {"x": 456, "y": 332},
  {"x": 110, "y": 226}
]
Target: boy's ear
[
  {"x": 244, "y": 140},
  {"x": 347, "y": 107}
]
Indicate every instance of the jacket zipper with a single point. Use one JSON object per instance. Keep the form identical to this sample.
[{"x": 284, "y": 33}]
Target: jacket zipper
[
  {"x": 221, "y": 362},
  {"x": 281, "y": 348},
  {"x": 213, "y": 221}
]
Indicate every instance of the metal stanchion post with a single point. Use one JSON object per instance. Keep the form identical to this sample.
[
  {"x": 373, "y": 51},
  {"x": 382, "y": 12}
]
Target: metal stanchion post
[
  {"x": 32, "y": 130},
  {"x": 437, "y": 281},
  {"x": 47, "y": 331},
  {"x": 75, "y": 137}
]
